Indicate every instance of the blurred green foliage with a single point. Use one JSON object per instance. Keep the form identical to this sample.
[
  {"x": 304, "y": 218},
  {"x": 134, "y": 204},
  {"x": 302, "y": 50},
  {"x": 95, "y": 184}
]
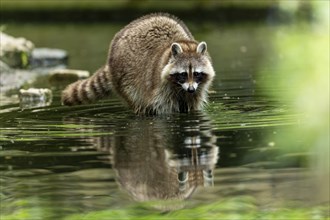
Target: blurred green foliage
[
  {"x": 302, "y": 79},
  {"x": 244, "y": 208},
  {"x": 160, "y": 4},
  {"x": 116, "y": 10}
]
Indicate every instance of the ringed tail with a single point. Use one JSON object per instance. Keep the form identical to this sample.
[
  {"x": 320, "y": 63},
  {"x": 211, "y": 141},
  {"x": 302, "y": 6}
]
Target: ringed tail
[{"x": 88, "y": 90}]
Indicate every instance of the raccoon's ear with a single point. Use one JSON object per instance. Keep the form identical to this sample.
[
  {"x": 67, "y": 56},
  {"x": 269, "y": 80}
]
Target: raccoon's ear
[
  {"x": 176, "y": 49},
  {"x": 201, "y": 48}
]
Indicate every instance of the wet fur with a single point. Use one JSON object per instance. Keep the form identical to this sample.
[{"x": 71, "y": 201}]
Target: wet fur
[{"x": 139, "y": 65}]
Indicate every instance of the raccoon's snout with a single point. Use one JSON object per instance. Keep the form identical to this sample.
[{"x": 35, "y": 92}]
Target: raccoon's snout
[{"x": 191, "y": 89}]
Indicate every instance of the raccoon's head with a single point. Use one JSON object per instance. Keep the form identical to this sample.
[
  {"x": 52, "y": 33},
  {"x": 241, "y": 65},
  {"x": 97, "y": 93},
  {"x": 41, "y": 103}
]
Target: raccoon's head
[{"x": 189, "y": 66}]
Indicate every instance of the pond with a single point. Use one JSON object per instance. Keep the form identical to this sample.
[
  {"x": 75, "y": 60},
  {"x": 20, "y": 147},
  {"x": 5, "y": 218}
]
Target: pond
[{"x": 253, "y": 152}]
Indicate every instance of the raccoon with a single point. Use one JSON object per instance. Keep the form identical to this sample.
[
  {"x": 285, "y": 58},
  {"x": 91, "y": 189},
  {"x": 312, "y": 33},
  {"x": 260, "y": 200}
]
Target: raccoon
[{"x": 155, "y": 64}]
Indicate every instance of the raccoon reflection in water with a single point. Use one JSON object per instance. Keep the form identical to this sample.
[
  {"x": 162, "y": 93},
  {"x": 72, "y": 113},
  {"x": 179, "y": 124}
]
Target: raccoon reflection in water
[
  {"x": 155, "y": 64},
  {"x": 154, "y": 163}
]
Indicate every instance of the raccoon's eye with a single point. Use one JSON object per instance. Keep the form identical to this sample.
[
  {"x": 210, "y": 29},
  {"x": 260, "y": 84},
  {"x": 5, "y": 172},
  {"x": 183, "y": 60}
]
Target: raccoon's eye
[
  {"x": 181, "y": 77},
  {"x": 184, "y": 74},
  {"x": 198, "y": 75}
]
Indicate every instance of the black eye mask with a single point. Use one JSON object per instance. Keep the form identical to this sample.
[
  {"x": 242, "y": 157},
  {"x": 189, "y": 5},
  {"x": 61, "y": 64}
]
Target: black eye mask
[
  {"x": 181, "y": 77},
  {"x": 199, "y": 76}
]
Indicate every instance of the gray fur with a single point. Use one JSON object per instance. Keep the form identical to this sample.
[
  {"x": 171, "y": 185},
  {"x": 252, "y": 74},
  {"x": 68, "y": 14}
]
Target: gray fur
[{"x": 141, "y": 58}]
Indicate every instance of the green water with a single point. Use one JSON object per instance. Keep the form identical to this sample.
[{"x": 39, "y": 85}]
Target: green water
[{"x": 260, "y": 149}]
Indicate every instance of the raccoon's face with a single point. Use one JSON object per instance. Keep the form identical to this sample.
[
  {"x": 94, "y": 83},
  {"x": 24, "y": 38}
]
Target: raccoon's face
[{"x": 189, "y": 67}]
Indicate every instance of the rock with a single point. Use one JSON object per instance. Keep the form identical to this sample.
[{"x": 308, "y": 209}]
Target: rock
[
  {"x": 15, "y": 52},
  {"x": 66, "y": 76},
  {"x": 13, "y": 79},
  {"x": 47, "y": 57},
  {"x": 4, "y": 68},
  {"x": 35, "y": 94},
  {"x": 33, "y": 97},
  {"x": 21, "y": 53}
]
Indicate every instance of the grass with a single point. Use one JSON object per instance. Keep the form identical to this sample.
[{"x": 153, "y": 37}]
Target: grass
[{"x": 244, "y": 208}]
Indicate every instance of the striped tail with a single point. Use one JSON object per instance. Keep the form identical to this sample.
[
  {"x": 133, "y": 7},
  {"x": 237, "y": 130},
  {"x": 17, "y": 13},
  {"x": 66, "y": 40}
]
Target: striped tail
[{"x": 88, "y": 90}]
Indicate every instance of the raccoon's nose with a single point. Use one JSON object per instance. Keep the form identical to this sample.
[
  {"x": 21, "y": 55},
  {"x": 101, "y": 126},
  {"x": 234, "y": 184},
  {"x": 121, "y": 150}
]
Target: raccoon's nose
[{"x": 191, "y": 89}]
